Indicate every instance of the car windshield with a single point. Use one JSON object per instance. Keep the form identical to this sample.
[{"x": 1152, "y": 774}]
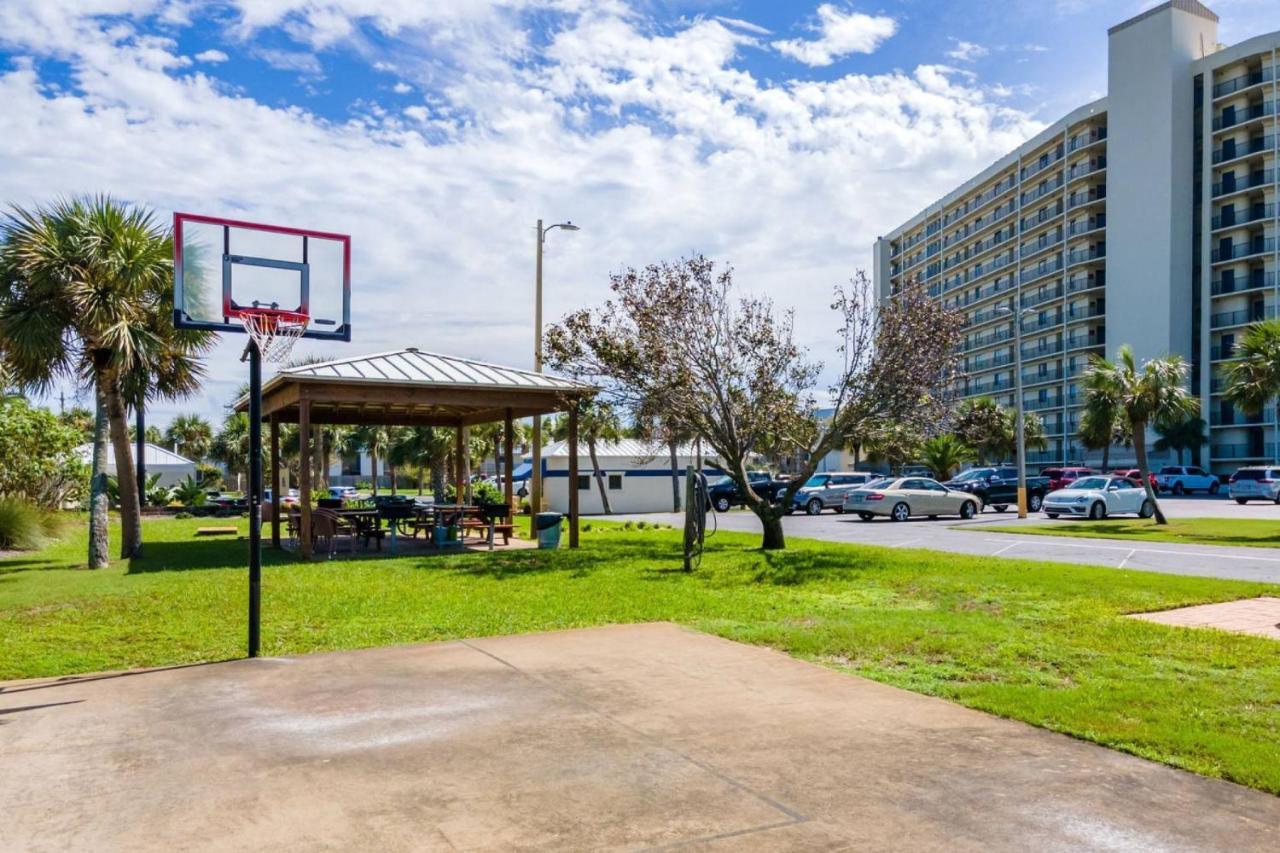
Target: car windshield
[
  {"x": 1090, "y": 483},
  {"x": 1170, "y": 470},
  {"x": 976, "y": 474},
  {"x": 717, "y": 480},
  {"x": 882, "y": 483},
  {"x": 815, "y": 482}
]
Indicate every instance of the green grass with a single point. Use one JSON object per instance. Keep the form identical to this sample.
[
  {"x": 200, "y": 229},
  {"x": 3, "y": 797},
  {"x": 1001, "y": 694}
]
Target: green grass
[
  {"x": 1252, "y": 532},
  {"x": 1038, "y": 642}
]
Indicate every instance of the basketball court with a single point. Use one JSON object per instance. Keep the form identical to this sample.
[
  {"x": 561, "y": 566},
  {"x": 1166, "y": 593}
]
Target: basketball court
[{"x": 628, "y": 737}]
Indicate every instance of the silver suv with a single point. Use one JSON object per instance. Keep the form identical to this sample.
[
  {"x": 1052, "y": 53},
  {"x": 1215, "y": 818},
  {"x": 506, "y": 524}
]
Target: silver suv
[
  {"x": 1255, "y": 484},
  {"x": 828, "y": 490}
]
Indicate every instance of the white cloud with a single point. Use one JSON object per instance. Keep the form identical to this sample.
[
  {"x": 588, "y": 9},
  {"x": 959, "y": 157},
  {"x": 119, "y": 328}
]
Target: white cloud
[
  {"x": 966, "y": 51},
  {"x": 840, "y": 33},
  {"x": 291, "y": 60},
  {"x": 657, "y": 143},
  {"x": 402, "y": 88},
  {"x": 213, "y": 57}
]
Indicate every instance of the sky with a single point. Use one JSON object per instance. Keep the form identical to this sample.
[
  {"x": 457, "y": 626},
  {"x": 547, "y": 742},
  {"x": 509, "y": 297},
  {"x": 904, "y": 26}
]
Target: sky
[{"x": 779, "y": 137}]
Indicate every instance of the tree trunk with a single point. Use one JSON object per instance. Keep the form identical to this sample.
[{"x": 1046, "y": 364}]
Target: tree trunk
[
  {"x": 98, "y": 538},
  {"x": 421, "y": 475},
  {"x": 672, "y": 447},
  {"x": 465, "y": 485},
  {"x": 320, "y": 459},
  {"x": 1106, "y": 457},
  {"x": 774, "y": 539},
  {"x": 391, "y": 469},
  {"x": 373, "y": 463},
  {"x": 599, "y": 477},
  {"x": 126, "y": 476},
  {"x": 1144, "y": 470}
]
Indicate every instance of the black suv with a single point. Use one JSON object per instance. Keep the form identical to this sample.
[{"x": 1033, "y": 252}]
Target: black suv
[
  {"x": 724, "y": 492},
  {"x": 998, "y": 487}
]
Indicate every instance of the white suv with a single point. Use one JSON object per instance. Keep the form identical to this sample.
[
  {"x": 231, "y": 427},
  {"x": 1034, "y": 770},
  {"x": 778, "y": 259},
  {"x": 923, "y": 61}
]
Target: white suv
[
  {"x": 1180, "y": 480},
  {"x": 1255, "y": 484}
]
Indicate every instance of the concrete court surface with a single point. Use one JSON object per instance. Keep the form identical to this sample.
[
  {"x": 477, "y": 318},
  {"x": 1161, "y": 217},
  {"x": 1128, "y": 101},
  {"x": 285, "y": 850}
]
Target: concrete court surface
[
  {"x": 619, "y": 738},
  {"x": 974, "y": 537}
]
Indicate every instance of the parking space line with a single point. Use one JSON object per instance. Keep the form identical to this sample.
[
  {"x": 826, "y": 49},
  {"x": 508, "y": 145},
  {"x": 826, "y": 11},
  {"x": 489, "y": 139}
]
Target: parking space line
[
  {"x": 1058, "y": 543},
  {"x": 1127, "y": 556},
  {"x": 1005, "y": 548}
]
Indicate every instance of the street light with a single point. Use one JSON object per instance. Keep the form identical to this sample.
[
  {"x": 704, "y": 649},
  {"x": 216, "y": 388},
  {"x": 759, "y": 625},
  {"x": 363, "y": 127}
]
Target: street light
[
  {"x": 535, "y": 475},
  {"x": 1017, "y": 316}
]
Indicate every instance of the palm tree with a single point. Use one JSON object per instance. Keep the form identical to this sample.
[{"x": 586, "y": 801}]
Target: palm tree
[
  {"x": 943, "y": 454},
  {"x": 231, "y": 445},
  {"x": 1182, "y": 434},
  {"x": 191, "y": 436},
  {"x": 1255, "y": 377},
  {"x": 1145, "y": 396},
  {"x": 86, "y": 292},
  {"x": 1102, "y": 418},
  {"x": 981, "y": 423},
  {"x": 373, "y": 439},
  {"x": 597, "y": 421},
  {"x": 424, "y": 449},
  {"x": 894, "y": 444}
]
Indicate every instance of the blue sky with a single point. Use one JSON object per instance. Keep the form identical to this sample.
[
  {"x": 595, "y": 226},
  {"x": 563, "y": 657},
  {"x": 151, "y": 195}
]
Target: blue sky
[{"x": 781, "y": 137}]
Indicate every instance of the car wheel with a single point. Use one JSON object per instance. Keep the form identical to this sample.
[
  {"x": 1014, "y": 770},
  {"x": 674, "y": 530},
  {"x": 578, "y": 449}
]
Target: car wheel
[
  {"x": 721, "y": 504},
  {"x": 813, "y": 507},
  {"x": 838, "y": 510},
  {"x": 1051, "y": 514},
  {"x": 1000, "y": 507},
  {"x": 1097, "y": 512},
  {"x": 1178, "y": 489},
  {"x": 968, "y": 510},
  {"x": 1034, "y": 502},
  {"x": 1213, "y": 488},
  {"x": 866, "y": 516},
  {"x": 1147, "y": 509},
  {"x": 1243, "y": 501},
  {"x": 901, "y": 512}
]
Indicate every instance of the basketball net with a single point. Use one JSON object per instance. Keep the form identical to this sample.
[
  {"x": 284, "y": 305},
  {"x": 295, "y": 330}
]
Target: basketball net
[{"x": 274, "y": 331}]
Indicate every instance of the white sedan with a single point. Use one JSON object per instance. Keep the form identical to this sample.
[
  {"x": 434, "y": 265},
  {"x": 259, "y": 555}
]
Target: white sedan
[{"x": 1098, "y": 497}]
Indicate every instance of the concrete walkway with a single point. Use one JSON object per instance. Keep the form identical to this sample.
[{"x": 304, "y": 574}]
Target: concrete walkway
[{"x": 628, "y": 737}]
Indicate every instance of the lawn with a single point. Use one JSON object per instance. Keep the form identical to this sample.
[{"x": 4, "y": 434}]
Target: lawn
[
  {"x": 1038, "y": 642},
  {"x": 1253, "y": 532}
]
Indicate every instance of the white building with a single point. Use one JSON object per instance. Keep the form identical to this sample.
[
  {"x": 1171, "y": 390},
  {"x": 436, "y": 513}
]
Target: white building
[
  {"x": 638, "y": 476},
  {"x": 171, "y": 467},
  {"x": 1147, "y": 218}
]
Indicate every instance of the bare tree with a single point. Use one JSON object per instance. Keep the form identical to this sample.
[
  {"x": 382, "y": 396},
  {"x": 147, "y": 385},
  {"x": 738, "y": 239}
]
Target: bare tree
[{"x": 675, "y": 338}]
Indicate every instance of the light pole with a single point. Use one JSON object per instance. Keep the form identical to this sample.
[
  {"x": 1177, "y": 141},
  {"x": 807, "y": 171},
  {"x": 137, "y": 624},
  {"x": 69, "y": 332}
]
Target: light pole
[
  {"x": 535, "y": 475},
  {"x": 1017, "y": 315}
]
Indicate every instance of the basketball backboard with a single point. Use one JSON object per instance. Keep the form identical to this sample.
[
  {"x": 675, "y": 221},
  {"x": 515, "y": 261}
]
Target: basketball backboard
[{"x": 222, "y": 266}]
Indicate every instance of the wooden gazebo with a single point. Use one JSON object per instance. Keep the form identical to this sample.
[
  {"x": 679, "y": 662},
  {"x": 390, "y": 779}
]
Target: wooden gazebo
[{"x": 411, "y": 388}]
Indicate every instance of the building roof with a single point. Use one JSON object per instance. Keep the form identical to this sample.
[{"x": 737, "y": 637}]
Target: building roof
[
  {"x": 153, "y": 454},
  {"x": 627, "y": 448},
  {"x": 413, "y": 366},
  {"x": 1192, "y": 6}
]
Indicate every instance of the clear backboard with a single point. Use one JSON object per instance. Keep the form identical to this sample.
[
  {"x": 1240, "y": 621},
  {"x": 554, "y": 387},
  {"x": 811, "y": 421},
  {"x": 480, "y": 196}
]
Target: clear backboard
[{"x": 225, "y": 269}]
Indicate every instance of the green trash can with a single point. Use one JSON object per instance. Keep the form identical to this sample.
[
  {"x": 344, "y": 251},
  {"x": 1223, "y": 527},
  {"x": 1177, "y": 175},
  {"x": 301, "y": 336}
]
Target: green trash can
[{"x": 548, "y": 527}]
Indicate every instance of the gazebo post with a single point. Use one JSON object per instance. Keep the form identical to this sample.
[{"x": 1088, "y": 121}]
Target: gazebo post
[
  {"x": 573, "y": 475},
  {"x": 275, "y": 481},
  {"x": 508, "y": 488},
  {"x": 304, "y": 466},
  {"x": 459, "y": 488}
]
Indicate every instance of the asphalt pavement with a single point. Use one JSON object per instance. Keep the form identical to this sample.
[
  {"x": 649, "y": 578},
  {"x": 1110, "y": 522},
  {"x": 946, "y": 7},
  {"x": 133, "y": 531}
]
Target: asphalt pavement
[{"x": 975, "y": 538}]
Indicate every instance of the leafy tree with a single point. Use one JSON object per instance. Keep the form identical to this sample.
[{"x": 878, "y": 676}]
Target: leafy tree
[
  {"x": 1182, "y": 434},
  {"x": 675, "y": 338},
  {"x": 231, "y": 445},
  {"x": 894, "y": 444},
  {"x": 943, "y": 454},
  {"x": 1156, "y": 392},
  {"x": 81, "y": 420},
  {"x": 38, "y": 462},
  {"x": 208, "y": 475},
  {"x": 373, "y": 439},
  {"x": 153, "y": 435},
  {"x": 86, "y": 292},
  {"x": 992, "y": 430},
  {"x": 191, "y": 436}
]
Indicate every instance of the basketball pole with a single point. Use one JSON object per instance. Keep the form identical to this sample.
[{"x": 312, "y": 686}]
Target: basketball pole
[{"x": 255, "y": 497}]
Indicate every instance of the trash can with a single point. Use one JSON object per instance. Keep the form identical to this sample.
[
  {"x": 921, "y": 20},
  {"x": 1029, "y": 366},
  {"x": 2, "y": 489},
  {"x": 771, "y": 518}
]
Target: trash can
[{"x": 548, "y": 527}]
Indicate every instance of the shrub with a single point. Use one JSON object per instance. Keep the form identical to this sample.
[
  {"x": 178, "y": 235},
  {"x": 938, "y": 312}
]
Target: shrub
[
  {"x": 22, "y": 526},
  {"x": 183, "y": 514},
  {"x": 641, "y": 525},
  {"x": 586, "y": 527},
  {"x": 482, "y": 492},
  {"x": 209, "y": 476},
  {"x": 189, "y": 492},
  {"x": 38, "y": 459}
]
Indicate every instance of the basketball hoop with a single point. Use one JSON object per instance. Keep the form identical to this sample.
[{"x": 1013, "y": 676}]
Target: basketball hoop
[{"x": 273, "y": 330}]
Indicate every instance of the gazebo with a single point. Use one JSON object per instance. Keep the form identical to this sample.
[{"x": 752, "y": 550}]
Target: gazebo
[{"x": 410, "y": 387}]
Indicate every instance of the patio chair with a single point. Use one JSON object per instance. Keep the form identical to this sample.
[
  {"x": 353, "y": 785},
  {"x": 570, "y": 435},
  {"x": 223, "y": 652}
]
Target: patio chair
[{"x": 327, "y": 525}]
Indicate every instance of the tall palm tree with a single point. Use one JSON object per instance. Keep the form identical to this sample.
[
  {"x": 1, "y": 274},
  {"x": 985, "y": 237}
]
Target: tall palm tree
[
  {"x": 424, "y": 449},
  {"x": 1101, "y": 418},
  {"x": 1255, "y": 377},
  {"x": 943, "y": 454},
  {"x": 373, "y": 439},
  {"x": 86, "y": 292},
  {"x": 1148, "y": 395},
  {"x": 191, "y": 436},
  {"x": 231, "y": 445},
  {"x": 1185, "y": 433}
]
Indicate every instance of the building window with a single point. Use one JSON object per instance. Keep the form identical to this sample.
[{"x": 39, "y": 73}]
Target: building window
[
  {"x": 584, "y": 482},
  {"x": 615, "y": 482}
]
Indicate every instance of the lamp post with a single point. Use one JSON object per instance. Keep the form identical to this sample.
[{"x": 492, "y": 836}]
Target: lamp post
[
  {"x": 535, "y": 475},
  {"x": 1017, "y": 315}
]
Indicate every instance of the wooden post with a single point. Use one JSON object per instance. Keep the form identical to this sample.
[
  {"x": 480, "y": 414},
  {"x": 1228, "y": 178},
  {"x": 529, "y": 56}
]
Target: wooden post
[
  {"x": 304, "y": 469},
  {"x": 573, "y": 475},
  {"x": 459, "y": 487},
  {"x": 508, "y": 487},
  {"x": 275, "y": 481}
]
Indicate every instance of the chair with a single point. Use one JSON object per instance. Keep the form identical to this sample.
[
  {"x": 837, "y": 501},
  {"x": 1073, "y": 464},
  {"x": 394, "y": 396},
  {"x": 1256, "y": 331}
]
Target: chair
[{"x": 328, "y": 525}]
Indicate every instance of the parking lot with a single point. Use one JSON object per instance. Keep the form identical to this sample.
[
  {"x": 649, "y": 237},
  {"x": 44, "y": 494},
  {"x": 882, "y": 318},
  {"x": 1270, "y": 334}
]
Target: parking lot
[{"x": 968, "y": 537}]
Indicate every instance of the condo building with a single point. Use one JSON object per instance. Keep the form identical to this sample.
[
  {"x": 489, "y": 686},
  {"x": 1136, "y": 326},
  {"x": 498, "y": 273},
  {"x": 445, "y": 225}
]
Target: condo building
[{"x": 1147, "y": 218}]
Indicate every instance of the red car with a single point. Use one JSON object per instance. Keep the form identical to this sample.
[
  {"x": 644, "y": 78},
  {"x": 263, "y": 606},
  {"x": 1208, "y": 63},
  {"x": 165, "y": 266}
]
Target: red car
[
  {"x": 1062, "y": 478},
  {"x": 1136, "y": 475}
]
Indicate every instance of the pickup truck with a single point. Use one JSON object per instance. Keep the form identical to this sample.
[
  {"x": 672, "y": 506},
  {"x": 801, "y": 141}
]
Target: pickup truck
[
  {"x": 1181, "y": 479},
  {"x": 724, "y": 492},
  {"x": 998, "y": 488}
]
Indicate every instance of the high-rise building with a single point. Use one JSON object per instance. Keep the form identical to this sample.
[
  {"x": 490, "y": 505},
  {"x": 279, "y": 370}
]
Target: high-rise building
[{"x": 1147, "y": 217}]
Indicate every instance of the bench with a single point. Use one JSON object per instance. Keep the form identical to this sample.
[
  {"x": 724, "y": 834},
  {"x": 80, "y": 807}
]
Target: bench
[
  {"x": 479, "y": 524},
  {"x": 216, "y": 531}
]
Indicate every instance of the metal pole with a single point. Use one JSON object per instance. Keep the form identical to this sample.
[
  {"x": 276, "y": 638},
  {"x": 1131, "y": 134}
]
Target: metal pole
[
  {"x": 140, "y": 442},
  {"x": 255, "y": 497},
  {"x": 1017, "y": 384},
  {"x": 535, "y": 475}
]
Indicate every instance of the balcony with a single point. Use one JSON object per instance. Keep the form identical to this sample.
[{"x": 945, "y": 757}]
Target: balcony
[
  {"x": 1053, "y": 402},
  {"x": 1042, "y": 190},
  {"x": 1255, "y": 281},
  {"x": 1260, "y": 178},
  {"x": 1244, "y": 81},
  {"x": 1040, "y": 245},
  {"x": 1041, "y": 350},
  {"x": 1241, "y": 318},
  {"x": 987, "y": 340},
  {"x": 1075, "y": 284},
  {"x": 1093, "y": 339},
  {"x": 1081, "y": 169},
  {"x": 1231, "y": 151},
  {"x": 1047, "y": 215},
  {"x": 1034, "y": 377},
  {"x": 1093, "y": 223},
  {"x": 1054, "y": 292},
  {"x": 1032, "y": 326},
  {"x": 1263, "y": 452},
  {"x": 1075, "y": 143},
  {"x": 1041, "y": 270},
  {"x": 1040, "y": 165},
  {"x": 1078, "y": 199},
  {"x": 1244, "y": 217},
  {"x": 989, "y": 364},
  {"x": 1234, "y": 117},
  {"x": 1222, "y": 353},
  {"x": 1236, "y": 251},
  {"x": 1093, "y": 253},
  {"x": 981, "y": 389},
  {"x": 1077, "y": 313}
]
